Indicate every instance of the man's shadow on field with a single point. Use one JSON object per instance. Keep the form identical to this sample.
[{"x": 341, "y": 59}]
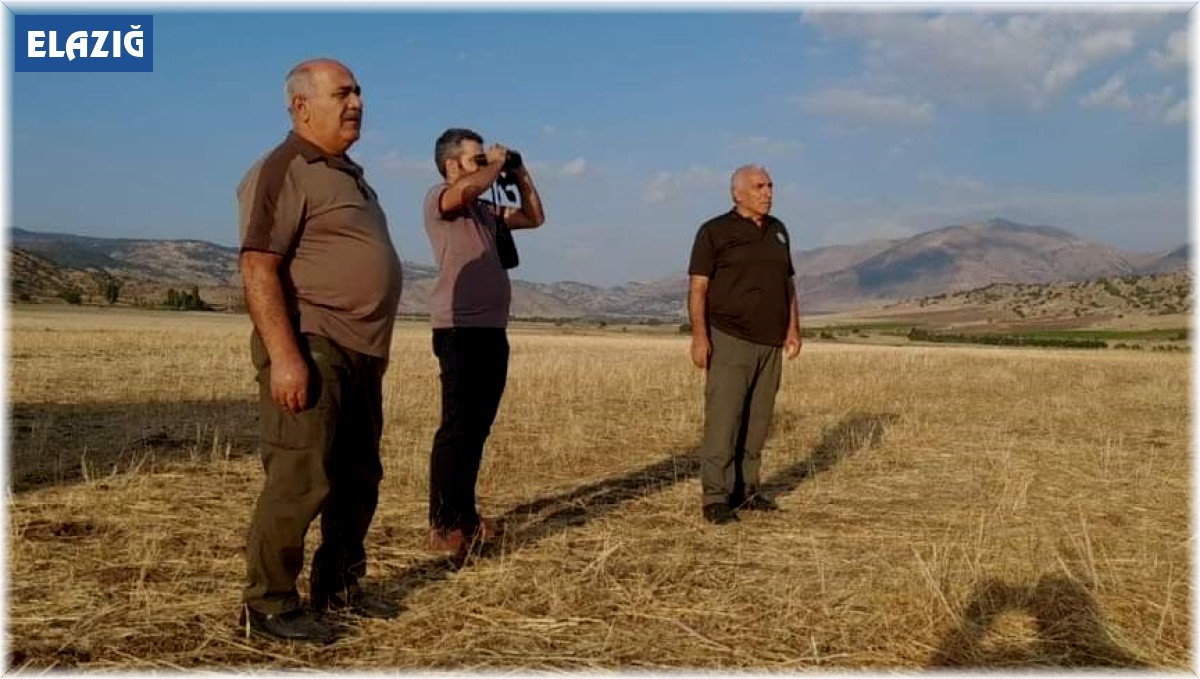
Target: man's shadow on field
[
  {"x": 529, "y": 523},
  {"x": 1066, "y": 619},
  {"x": 63, "y": 443}
]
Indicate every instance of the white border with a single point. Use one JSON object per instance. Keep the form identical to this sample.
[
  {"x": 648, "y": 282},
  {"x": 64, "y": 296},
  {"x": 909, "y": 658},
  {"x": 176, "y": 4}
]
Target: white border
[{"x": 616, "y": 5}]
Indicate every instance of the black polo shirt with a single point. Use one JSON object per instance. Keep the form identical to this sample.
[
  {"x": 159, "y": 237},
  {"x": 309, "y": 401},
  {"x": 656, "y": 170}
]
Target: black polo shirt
[{"x": 749, "y": 271}]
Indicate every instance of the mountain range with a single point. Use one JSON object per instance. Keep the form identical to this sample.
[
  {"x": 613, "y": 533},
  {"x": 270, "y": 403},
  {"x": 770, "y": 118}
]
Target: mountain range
[{"x": 834, "y": 278}]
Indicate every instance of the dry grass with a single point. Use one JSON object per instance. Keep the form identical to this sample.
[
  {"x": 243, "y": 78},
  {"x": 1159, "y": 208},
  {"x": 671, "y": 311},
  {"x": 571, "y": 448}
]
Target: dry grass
[{"x": 943, "y": 506}]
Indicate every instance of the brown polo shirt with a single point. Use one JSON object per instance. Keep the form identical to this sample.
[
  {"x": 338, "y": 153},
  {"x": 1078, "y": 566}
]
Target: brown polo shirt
[
  {"x": 749, "y": 272},
  {"x": 340, "y": 272}
]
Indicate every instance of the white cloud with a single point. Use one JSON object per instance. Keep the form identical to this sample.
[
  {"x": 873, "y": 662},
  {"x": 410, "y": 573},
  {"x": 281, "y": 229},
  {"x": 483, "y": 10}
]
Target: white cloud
[
  {"x": 574, "y": 168},
  {"x": 1154, "y": 105},
  {"x": 984, "y": 58},
  {"x": 549, "y": 130},
  {"x": 766, "y": 145},
  {"x": 1105, "y": 44},
  {"x": 1112, "y": 94},
  {"x": 1090, "y": 50},
  {"x": 1160, "y": 106},
  {"x": 666, "y": 186},
  {"x": 1174, "y": 55},
  {"x": 864, "y": 106},
  {"x": 659, "y": 189}
]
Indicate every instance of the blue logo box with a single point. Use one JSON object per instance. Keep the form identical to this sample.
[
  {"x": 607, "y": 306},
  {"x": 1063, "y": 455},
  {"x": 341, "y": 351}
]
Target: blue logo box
[{"x": 83, "y": 43}]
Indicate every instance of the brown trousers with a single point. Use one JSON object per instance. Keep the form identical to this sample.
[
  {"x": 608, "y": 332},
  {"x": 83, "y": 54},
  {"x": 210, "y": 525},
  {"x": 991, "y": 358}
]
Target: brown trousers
[{"x": 323, "y": 460}]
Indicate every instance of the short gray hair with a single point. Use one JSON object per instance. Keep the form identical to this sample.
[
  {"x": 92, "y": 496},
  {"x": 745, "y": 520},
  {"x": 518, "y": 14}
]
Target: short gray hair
[
  {"x": 733, "y": 180},
  {"x": 299, "y": 82}
]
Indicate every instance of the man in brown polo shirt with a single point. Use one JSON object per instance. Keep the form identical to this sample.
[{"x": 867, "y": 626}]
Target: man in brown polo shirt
[
  {"x": 742, "y": 304},
  {"x": 322, "y": 284},
  {"x": 469, "y": 309}
]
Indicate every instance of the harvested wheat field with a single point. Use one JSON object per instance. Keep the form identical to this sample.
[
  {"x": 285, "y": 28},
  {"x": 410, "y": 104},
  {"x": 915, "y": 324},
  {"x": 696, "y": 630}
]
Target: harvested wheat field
[{"x": 942, "y": 507}]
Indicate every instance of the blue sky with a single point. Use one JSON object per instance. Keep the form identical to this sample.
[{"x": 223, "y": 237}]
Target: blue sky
[{"x": 873, "y": 124}]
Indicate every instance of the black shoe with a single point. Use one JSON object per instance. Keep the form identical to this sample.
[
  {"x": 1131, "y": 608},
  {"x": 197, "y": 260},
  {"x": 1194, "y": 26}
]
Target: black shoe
[
  {"x": 355, "y": 600},
  {"x": 758, "y": 503},
  {"x": 718, "y": 513},
  {"x": 294, "y": 625}
]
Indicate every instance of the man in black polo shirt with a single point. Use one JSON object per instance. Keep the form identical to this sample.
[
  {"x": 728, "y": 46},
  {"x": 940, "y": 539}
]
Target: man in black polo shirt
[{"x": 742, "y": 303}]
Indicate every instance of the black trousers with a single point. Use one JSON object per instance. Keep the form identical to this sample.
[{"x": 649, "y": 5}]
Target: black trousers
[{"x": 474, "y": 365}]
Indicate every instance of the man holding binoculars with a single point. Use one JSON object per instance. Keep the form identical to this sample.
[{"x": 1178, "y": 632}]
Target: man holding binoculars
[{"x": 469, "y": 308}]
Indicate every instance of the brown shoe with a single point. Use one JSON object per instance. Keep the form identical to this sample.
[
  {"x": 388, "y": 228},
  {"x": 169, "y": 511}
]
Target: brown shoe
[
  {"x": 445, "y": 541},
  {"x": 487, "y": 529}
]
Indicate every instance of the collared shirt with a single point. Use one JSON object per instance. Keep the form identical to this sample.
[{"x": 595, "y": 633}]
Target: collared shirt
[
  {"x": 472, "y": 289},
  {"x": 749, "y": 271},
  {"x": 341, "y": 275}
]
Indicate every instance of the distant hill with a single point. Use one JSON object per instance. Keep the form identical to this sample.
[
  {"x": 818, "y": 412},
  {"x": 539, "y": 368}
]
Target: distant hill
[
  {"x": 184, "y": 262},
  {"x": 833, "y": 258},
  {"x": 32, "y": 274},
  {"x": 839, "y": 277},
  {"x": 963, "y": 257},
  {"x": 44, "y": 265},
  {"x": 1101, "y": 300},
  {"x": 1175, "y": 260},
  {"x": 953, "y": 258}
]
